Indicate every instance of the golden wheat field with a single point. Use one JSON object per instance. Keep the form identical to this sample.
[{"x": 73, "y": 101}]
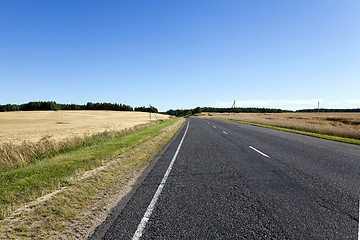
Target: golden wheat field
[
  {"x": 17, "y": 127},
  {"x": 336, "y": 124}
]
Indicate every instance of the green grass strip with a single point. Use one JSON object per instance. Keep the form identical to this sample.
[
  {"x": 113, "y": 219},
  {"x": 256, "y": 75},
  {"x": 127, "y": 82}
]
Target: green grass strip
[
  {"x": 318, "y": 135},
  {"x": 33, "y": 180}
]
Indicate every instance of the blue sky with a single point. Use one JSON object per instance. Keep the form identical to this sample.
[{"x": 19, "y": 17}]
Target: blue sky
[{"x": 182, "y": 54}]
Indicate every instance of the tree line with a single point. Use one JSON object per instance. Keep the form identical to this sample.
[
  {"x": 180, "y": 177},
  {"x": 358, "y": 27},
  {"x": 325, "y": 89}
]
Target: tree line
[
  {"x": 189, "y": 112},
  {"x": 244, "y": 110},
  {"x": 184, "y": 112},
  {"x": 50, "y": 105},
  {"x": 146, "y": 109},
  {"x": 329, "y": 110}
]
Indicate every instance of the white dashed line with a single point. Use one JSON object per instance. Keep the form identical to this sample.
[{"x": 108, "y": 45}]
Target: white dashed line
[
  {"x": 147, "y": 215},
  {"x": 259, "y": 151},
  {"x": 214, "y": 126},
  {"x": 224, "y": 132}
]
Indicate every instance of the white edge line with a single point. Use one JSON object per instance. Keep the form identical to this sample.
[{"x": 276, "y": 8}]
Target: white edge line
[
  {"x": 259, "y": 151},
  {"x": 149, "y": 210}
]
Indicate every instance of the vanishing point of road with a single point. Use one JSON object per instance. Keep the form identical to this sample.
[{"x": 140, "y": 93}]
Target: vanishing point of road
[{"x": 224, "y": 180}]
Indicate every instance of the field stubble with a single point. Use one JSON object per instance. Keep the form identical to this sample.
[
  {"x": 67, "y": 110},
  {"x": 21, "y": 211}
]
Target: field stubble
[
  {"x": 345, "y": 125},
  {"x": 29, "y": 136},
  {"x": 32, "y": 126}
]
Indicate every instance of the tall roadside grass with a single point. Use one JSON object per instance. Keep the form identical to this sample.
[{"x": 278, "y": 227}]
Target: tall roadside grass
[
  {"x": 12, "y": 155},
  {"x": 51, "y": 166}
]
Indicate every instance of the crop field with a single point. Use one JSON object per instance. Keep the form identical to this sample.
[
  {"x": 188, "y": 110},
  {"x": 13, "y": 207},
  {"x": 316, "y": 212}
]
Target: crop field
[
  {"x": 345, "y": 125},
  {"x": 62, "y": 195},
  {"x": 17, "y": 127}
]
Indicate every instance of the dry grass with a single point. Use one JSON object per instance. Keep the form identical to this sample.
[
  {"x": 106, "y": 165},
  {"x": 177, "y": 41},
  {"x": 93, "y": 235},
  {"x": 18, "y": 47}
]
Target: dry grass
[
  {"x": 14, "y": 155},
  {"x": 335, "y": 124},
  {"x": 29, "y": 136},
  {"x": 17, "y": 127}
]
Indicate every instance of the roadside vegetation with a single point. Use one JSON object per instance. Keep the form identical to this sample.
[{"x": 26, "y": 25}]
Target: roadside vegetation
[
  {"x": 47, "y": 171},
  {"x": 12, "y": 155}
]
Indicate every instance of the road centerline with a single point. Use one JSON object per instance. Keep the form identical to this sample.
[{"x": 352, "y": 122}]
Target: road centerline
[
  {"x": 225, "y": 132},
  {"x": 265, "y": 155},
  {"x": 150, "y": 208}
]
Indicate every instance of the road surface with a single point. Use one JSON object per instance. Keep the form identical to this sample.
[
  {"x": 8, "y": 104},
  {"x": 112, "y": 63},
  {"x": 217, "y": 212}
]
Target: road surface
[{"x": 223, "y": 180}]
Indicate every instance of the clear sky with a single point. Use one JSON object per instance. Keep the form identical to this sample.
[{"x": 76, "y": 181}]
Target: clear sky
[{"x": 286, "y": 54}]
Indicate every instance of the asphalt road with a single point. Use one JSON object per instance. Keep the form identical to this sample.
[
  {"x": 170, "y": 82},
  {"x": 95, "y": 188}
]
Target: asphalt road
[{"x": 235, "y": 181}]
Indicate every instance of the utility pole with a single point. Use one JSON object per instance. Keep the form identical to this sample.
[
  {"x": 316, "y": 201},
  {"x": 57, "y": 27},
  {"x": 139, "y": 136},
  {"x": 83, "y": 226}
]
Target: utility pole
[
  {"x": 150, "y": 111},
  {"x": 232, "y": 106}
]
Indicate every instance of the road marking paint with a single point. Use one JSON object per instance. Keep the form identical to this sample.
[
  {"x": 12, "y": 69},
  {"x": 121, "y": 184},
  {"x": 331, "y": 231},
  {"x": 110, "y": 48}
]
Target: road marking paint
[
  {"x": 149, "y": 210},
  {"x": 224, "y": 132},
  {"x": 214, "y": 126},
  {"x": 359, "y": 222},
  {"x": 259, "y": 151}
]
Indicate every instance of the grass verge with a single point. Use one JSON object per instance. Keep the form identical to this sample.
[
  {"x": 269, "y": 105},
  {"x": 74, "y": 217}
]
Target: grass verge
[
  {"x": 12, "y": 155},
  {"x": 318, "y": 135},
  {"x": 83, "y": 198}
]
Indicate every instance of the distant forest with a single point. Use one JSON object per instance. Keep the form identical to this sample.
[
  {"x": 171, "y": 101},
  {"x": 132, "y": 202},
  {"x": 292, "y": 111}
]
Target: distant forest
[
  {"x": 146, "y": 109},
  {"x": 189, "y": 112},
  {"x": 183, "y": 112},
  {"x": 329, "y": 110},
  {"x": 41, "y": 106},
  {"x": 243, "y": 110}
]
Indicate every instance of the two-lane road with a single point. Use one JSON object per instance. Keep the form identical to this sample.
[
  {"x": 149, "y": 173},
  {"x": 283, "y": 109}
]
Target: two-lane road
[{"x": 223, "y": 180}]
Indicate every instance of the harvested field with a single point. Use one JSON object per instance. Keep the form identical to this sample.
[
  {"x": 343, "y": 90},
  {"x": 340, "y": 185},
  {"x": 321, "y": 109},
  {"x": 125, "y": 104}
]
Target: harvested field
[
  {"x": 336, "y": 124},
  {"x": 17, "y": 127}
]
